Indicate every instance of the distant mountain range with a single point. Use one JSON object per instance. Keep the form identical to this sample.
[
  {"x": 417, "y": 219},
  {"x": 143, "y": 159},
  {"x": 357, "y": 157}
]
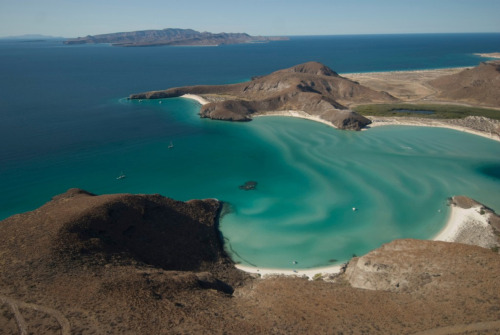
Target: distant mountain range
[{"x": 170, "y": 36}]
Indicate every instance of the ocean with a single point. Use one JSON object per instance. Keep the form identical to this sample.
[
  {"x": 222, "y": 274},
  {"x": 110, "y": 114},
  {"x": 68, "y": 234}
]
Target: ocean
[{"x": 65, "y": 122}]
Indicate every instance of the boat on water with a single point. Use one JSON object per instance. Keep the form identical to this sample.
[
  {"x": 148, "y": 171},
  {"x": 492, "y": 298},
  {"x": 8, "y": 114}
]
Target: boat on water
[
  {"x": 171, "y": 145},
  {"x": 121, "y": 176}
]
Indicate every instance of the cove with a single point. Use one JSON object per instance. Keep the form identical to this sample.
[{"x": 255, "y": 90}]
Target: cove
[{"x": 309, "y": 177}]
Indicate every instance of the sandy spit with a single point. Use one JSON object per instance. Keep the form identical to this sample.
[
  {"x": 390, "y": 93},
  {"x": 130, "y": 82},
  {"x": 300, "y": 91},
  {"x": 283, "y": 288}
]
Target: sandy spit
[{"x": 390, "y": 121}]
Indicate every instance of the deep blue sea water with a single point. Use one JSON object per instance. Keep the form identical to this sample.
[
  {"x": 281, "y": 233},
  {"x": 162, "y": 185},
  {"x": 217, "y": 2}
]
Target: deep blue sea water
[{"x": 65, "y": 122}]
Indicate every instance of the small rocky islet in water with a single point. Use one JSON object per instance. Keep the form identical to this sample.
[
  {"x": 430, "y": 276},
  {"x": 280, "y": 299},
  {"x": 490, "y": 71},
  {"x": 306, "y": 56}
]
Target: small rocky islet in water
[{"x": 248, "y": 186}]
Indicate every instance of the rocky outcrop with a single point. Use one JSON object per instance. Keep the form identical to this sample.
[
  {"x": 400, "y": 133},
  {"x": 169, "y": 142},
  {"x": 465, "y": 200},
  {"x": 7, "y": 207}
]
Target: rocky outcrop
[
  {"x": 415, "y": 266},
  {"x": 479, "y": 85},
  {"x": 169, "y": 36},
  {"x": 310, "y": 87},
  {"x": 78, "y": 227}
]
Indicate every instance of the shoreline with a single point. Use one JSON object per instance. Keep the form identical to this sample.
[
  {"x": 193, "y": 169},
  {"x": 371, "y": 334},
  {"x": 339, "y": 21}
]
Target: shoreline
[
  {"x": 495, "y": 55},
  {"x": 420, "y": 71},
  {"x": 298, "y": 115},
  {"x": 376, "y": 121},
  {"x": 464, "y": 225},
  {"x": 309, "y": 273},
  {"x": 438, "y": 123},
  {"x": 469, "y": 226}
]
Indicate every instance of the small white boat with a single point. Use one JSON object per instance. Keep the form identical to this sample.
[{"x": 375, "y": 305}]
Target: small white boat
[
  {"x": 171, "y": 145},
  {"x": 354, "y": 209},
  {"x": 121, "y": 176}
]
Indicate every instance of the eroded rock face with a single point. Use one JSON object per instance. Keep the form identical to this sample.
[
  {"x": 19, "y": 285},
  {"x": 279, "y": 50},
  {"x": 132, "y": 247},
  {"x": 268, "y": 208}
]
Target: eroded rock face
[{"x": 415, "y": 265}]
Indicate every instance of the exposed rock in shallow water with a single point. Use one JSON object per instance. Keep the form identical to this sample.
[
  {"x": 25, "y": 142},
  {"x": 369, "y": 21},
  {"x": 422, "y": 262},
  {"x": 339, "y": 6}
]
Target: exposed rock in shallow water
[{"x": 248, "y": 186}]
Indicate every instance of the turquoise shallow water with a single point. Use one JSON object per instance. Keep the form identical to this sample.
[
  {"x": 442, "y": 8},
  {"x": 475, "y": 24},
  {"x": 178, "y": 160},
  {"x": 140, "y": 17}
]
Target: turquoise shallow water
[
  {"x": 64, "y": 123},
  {"x": 309, "y": 176}
]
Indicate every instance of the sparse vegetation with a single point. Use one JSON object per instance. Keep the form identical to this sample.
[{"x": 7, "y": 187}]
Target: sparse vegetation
[
  {"x": 318, "y": 276},
  {"x": 440, "y": 111}
]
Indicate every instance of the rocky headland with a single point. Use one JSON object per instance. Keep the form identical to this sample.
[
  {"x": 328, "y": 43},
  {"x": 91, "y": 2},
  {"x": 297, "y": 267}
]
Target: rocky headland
[
  {"x": 311, "y": 88},
  {"x": 121, "y": 263},
  {"x": 170, "y": 36}
]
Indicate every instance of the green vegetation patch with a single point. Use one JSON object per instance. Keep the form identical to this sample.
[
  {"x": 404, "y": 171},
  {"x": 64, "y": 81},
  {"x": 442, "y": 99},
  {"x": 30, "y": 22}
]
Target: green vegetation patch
[{"x": 431, "y": 111}]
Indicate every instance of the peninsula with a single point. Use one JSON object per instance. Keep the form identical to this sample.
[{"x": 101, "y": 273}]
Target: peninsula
[
  {"x": 311, "y": 88},
  {"x": 461, "y": 98},
  {"x": 170, "y": 36}
]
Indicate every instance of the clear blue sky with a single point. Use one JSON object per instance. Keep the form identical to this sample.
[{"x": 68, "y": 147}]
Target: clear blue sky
[{"x": 72, "y": 18}]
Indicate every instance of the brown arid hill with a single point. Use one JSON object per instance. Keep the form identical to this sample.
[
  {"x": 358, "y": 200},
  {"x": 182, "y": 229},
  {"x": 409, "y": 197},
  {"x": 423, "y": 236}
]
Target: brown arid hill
[
  {"x": 146, "y": 264},
  {"x": 170, "y": 36},
  {"x": 479, "y": 85},
  {"x": 311, "y": 87}
]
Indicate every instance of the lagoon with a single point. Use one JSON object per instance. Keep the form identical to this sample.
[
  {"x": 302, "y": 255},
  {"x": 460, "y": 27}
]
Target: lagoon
[{"x": 72, "y": 127}]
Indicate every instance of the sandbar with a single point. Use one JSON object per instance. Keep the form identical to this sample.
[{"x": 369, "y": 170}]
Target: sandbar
[{"x": 489, "y": 55}]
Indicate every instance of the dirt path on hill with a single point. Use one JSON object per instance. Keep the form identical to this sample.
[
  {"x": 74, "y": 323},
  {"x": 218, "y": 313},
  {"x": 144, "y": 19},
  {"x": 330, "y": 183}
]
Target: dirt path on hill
[{"x": 15, "y": 305}]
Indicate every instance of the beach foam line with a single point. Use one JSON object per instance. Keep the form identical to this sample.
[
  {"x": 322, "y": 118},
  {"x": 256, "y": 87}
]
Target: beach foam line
[
  {"x": 309, "y": 273},
  {"x": 197, "y": 98}
]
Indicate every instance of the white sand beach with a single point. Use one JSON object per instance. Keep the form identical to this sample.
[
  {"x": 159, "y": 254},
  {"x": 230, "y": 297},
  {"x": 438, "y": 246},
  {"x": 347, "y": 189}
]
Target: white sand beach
[
  {"x": 297, "y": 114},
  {"x": 197, "y": 98},
  {"x": 402, "y": 121},
  {"x": 310, "y": 273},
  {"x": 469, "y": 226}
]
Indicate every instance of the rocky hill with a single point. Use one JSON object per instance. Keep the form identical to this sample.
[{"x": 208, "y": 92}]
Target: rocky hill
[
  {"x": 310, "y": 87},
  {"x": 479, "y": 85},
  {"x": 87, "y": 264},
  {"x": 170, "y": 36}
]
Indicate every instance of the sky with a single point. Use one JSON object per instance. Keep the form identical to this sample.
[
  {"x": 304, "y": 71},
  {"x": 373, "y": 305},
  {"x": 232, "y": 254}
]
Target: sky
[{"x": 74, "y": 18}]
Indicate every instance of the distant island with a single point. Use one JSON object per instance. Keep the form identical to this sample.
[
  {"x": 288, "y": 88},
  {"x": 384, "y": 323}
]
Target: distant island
[{"x": 171, "y": 36}]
